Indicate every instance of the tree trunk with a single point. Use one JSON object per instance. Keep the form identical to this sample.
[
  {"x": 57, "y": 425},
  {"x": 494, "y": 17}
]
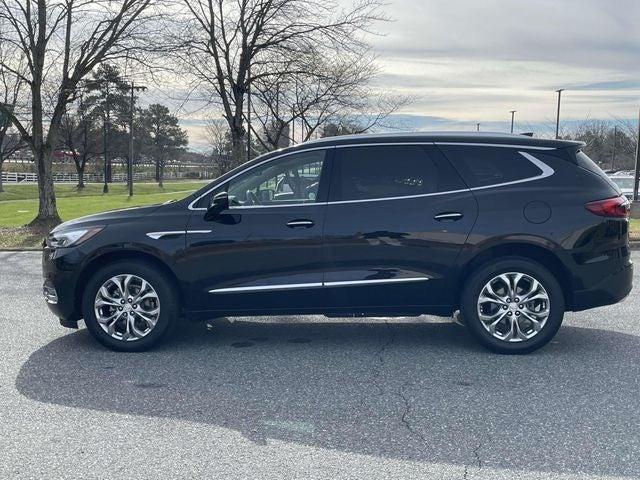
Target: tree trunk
[
  {"x": 1, "y": 187},
  {"x": 160, "y": 174},
  {"x": 238, "y": 147},
  {"x": 47, "y": 210},
  {"x": 80, "y": 178}
]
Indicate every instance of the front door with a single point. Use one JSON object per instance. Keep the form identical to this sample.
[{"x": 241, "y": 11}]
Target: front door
[
  {"x": 398, "y": 215},
  {"x": 264, "y": 252}
]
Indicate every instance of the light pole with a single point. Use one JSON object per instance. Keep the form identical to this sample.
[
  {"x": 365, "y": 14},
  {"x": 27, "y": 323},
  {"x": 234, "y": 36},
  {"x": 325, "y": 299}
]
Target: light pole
[
  {"x": 513, "y": 114},
  {"x": 559, "y": 92},
  {"x": 637, "y": 169},
  {"x": 249, "y": 112},
  {"x": 105, "y": 126},
  {"x": 133, "y": 88},
  {"x": 613, "y": 154},
  {"x": 478, "y": 127}
]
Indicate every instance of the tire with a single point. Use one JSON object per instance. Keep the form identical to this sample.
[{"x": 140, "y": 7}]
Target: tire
[
  {"x": 142, "y": 334},
  {"x": 528, "y": 336}
]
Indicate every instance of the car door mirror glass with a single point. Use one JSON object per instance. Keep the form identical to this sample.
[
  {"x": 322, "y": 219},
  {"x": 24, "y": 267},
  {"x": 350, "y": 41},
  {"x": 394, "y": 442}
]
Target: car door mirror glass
[{"x": 219, "y": 203}]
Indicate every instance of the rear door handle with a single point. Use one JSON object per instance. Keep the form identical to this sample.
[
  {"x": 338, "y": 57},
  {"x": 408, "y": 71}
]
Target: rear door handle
[
  {"x": 450, "y": 216},
  {"x": 303, "y": 223}
]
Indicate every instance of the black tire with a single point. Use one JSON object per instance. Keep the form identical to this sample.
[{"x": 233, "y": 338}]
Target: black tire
[
  {"x": 481, "y": 276},
  {"x": 169, "y": 306}
]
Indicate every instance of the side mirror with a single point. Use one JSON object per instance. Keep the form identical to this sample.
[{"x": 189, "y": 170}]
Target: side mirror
[{"x": 219, "y": 203}]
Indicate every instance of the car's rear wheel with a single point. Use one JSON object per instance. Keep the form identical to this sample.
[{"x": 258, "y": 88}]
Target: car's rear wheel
[
  {"x": 513, "y": 305},
  {"x": 129, "y": 306}
]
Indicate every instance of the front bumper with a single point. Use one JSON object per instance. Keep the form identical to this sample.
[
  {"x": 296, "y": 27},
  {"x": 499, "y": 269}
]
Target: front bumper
[
  {"x": 611, "y": 289},
  {"x": 59, "y": 269}
]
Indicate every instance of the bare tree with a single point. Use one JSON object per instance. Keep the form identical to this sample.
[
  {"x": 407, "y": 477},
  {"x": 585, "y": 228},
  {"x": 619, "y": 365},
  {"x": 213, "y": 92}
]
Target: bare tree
[
  {"x": 220, "y": 143},
  {"x": 10, "y": 87},
  {"x": 332, "y": 87},
  {"x": 229, "y": 40},
  {"x": 80, "y": 136},
  {"x": 604, "y": 139},
  {"x": 62, "y": 41}
]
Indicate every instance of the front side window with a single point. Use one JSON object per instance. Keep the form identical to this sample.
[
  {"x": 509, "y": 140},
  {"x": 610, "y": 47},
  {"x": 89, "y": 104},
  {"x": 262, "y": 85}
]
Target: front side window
[
  {"x": 292, "y": 179},
  {"x": 390, "y": 171}
]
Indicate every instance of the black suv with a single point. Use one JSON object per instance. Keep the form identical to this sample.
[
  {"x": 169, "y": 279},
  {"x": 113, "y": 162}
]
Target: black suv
[{"x": 509, "y": 230}]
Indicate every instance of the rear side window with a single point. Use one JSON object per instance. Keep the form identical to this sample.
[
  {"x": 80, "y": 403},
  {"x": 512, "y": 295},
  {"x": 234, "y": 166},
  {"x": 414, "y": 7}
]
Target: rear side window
[
  {"x": 387, "y": 171},
  {"x": 484, "y": 166}
]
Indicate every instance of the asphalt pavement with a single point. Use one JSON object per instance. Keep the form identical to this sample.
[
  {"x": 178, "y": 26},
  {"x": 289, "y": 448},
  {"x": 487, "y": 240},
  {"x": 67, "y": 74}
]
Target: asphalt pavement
[{"x": 315, "y": 398}]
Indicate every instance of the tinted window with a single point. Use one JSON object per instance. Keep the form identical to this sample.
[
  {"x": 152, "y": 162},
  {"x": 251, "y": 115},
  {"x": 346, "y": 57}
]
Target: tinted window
[
  {"x": 482, "y": 166},
  {"x": 291, "y": 179},
  {"x": 583, "y": 160},
  {"x": 363, "y": 173}
]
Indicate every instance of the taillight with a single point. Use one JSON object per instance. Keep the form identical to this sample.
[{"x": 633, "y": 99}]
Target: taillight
[{"x": 617, "y": 207}]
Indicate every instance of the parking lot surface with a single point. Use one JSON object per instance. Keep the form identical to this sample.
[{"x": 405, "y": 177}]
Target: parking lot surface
[{"x": 311, "y": 397}]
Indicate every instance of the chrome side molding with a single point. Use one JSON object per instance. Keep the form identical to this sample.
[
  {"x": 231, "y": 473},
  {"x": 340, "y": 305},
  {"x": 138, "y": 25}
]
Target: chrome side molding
[
  {"x": 296, "y": 286},
  {"x": 266, "y": 288},
  {"x": 173, "y": 233}
]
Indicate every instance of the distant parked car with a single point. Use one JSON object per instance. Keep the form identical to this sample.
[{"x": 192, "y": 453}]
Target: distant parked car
[
  {"x": 625, "y": 182},
  {"x": 509, "y": 230}
]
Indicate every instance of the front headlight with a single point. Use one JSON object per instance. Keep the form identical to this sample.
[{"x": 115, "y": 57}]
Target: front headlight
[{"x": 71, "y": 237}]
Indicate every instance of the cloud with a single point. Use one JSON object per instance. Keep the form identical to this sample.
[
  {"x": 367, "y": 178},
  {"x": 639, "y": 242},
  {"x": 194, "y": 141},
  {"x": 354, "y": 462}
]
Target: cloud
[{"x": 467, "y": 60}]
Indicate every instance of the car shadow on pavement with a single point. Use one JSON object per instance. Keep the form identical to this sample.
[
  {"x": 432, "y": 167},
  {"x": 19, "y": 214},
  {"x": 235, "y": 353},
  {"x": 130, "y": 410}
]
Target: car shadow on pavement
[{"x": 421, "y": 392}]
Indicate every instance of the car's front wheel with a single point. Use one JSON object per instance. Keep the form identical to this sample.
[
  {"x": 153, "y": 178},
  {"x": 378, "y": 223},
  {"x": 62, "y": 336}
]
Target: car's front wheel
[
  {"x": 513, "y": 305},
  {"x": 129, "y": 306}
]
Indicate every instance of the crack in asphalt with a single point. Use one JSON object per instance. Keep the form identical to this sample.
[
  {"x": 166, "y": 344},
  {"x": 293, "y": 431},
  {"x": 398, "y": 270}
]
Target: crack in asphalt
[
  {"x": 377, "y": 370},
  {"x": 379, "y": 354},
  {"x": 405, "y": 415},
  {"x": 479, "y": 461}
]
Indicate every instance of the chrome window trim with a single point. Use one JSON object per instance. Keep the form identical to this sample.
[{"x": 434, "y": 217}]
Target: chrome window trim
[
  {"x": 297, "y": 286},
  {"x": 546, "y": 172},
  {"x": 245, "y": 207},
  {"x": 447, "y": 192},
  {"x": 191, "y": 205}
]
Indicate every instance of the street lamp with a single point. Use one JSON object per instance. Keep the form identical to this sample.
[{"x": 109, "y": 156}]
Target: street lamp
[
  {"x": 613, "y": 155},
  {"x": 559, "y": 92},
  {"x": 636, "y": 177},
  {"x": 513, "y": 113}
]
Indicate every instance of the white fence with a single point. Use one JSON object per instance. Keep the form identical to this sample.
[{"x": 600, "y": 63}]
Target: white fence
[{"x": 17, "y": 177}]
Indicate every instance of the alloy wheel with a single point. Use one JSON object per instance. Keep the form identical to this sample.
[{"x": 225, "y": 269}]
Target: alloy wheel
[
  {"x": 127, "y": 307},
  {"x": 513, "y": 307}
]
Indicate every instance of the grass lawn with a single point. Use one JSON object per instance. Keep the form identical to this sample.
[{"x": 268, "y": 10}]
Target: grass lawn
[
  {"x": 19, "y": 205},
  {"x": 634, "y": 231}
]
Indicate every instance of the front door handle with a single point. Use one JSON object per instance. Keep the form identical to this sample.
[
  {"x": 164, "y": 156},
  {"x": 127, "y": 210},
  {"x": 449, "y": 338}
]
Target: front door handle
[
  {"x": 448, "y": 216},
  {"x": 302, "y": 223}
]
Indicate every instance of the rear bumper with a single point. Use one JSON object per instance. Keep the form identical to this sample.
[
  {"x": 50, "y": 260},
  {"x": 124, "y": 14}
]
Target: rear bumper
[{"x": 611, "y": 289}]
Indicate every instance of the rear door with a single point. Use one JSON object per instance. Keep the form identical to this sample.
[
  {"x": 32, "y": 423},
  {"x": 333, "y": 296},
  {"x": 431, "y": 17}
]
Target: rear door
[{"x": 397, "y": 217}]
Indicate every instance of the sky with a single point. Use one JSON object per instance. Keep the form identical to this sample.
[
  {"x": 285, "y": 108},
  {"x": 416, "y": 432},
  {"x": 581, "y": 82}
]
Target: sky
[{"x": 469, "y": 61}]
